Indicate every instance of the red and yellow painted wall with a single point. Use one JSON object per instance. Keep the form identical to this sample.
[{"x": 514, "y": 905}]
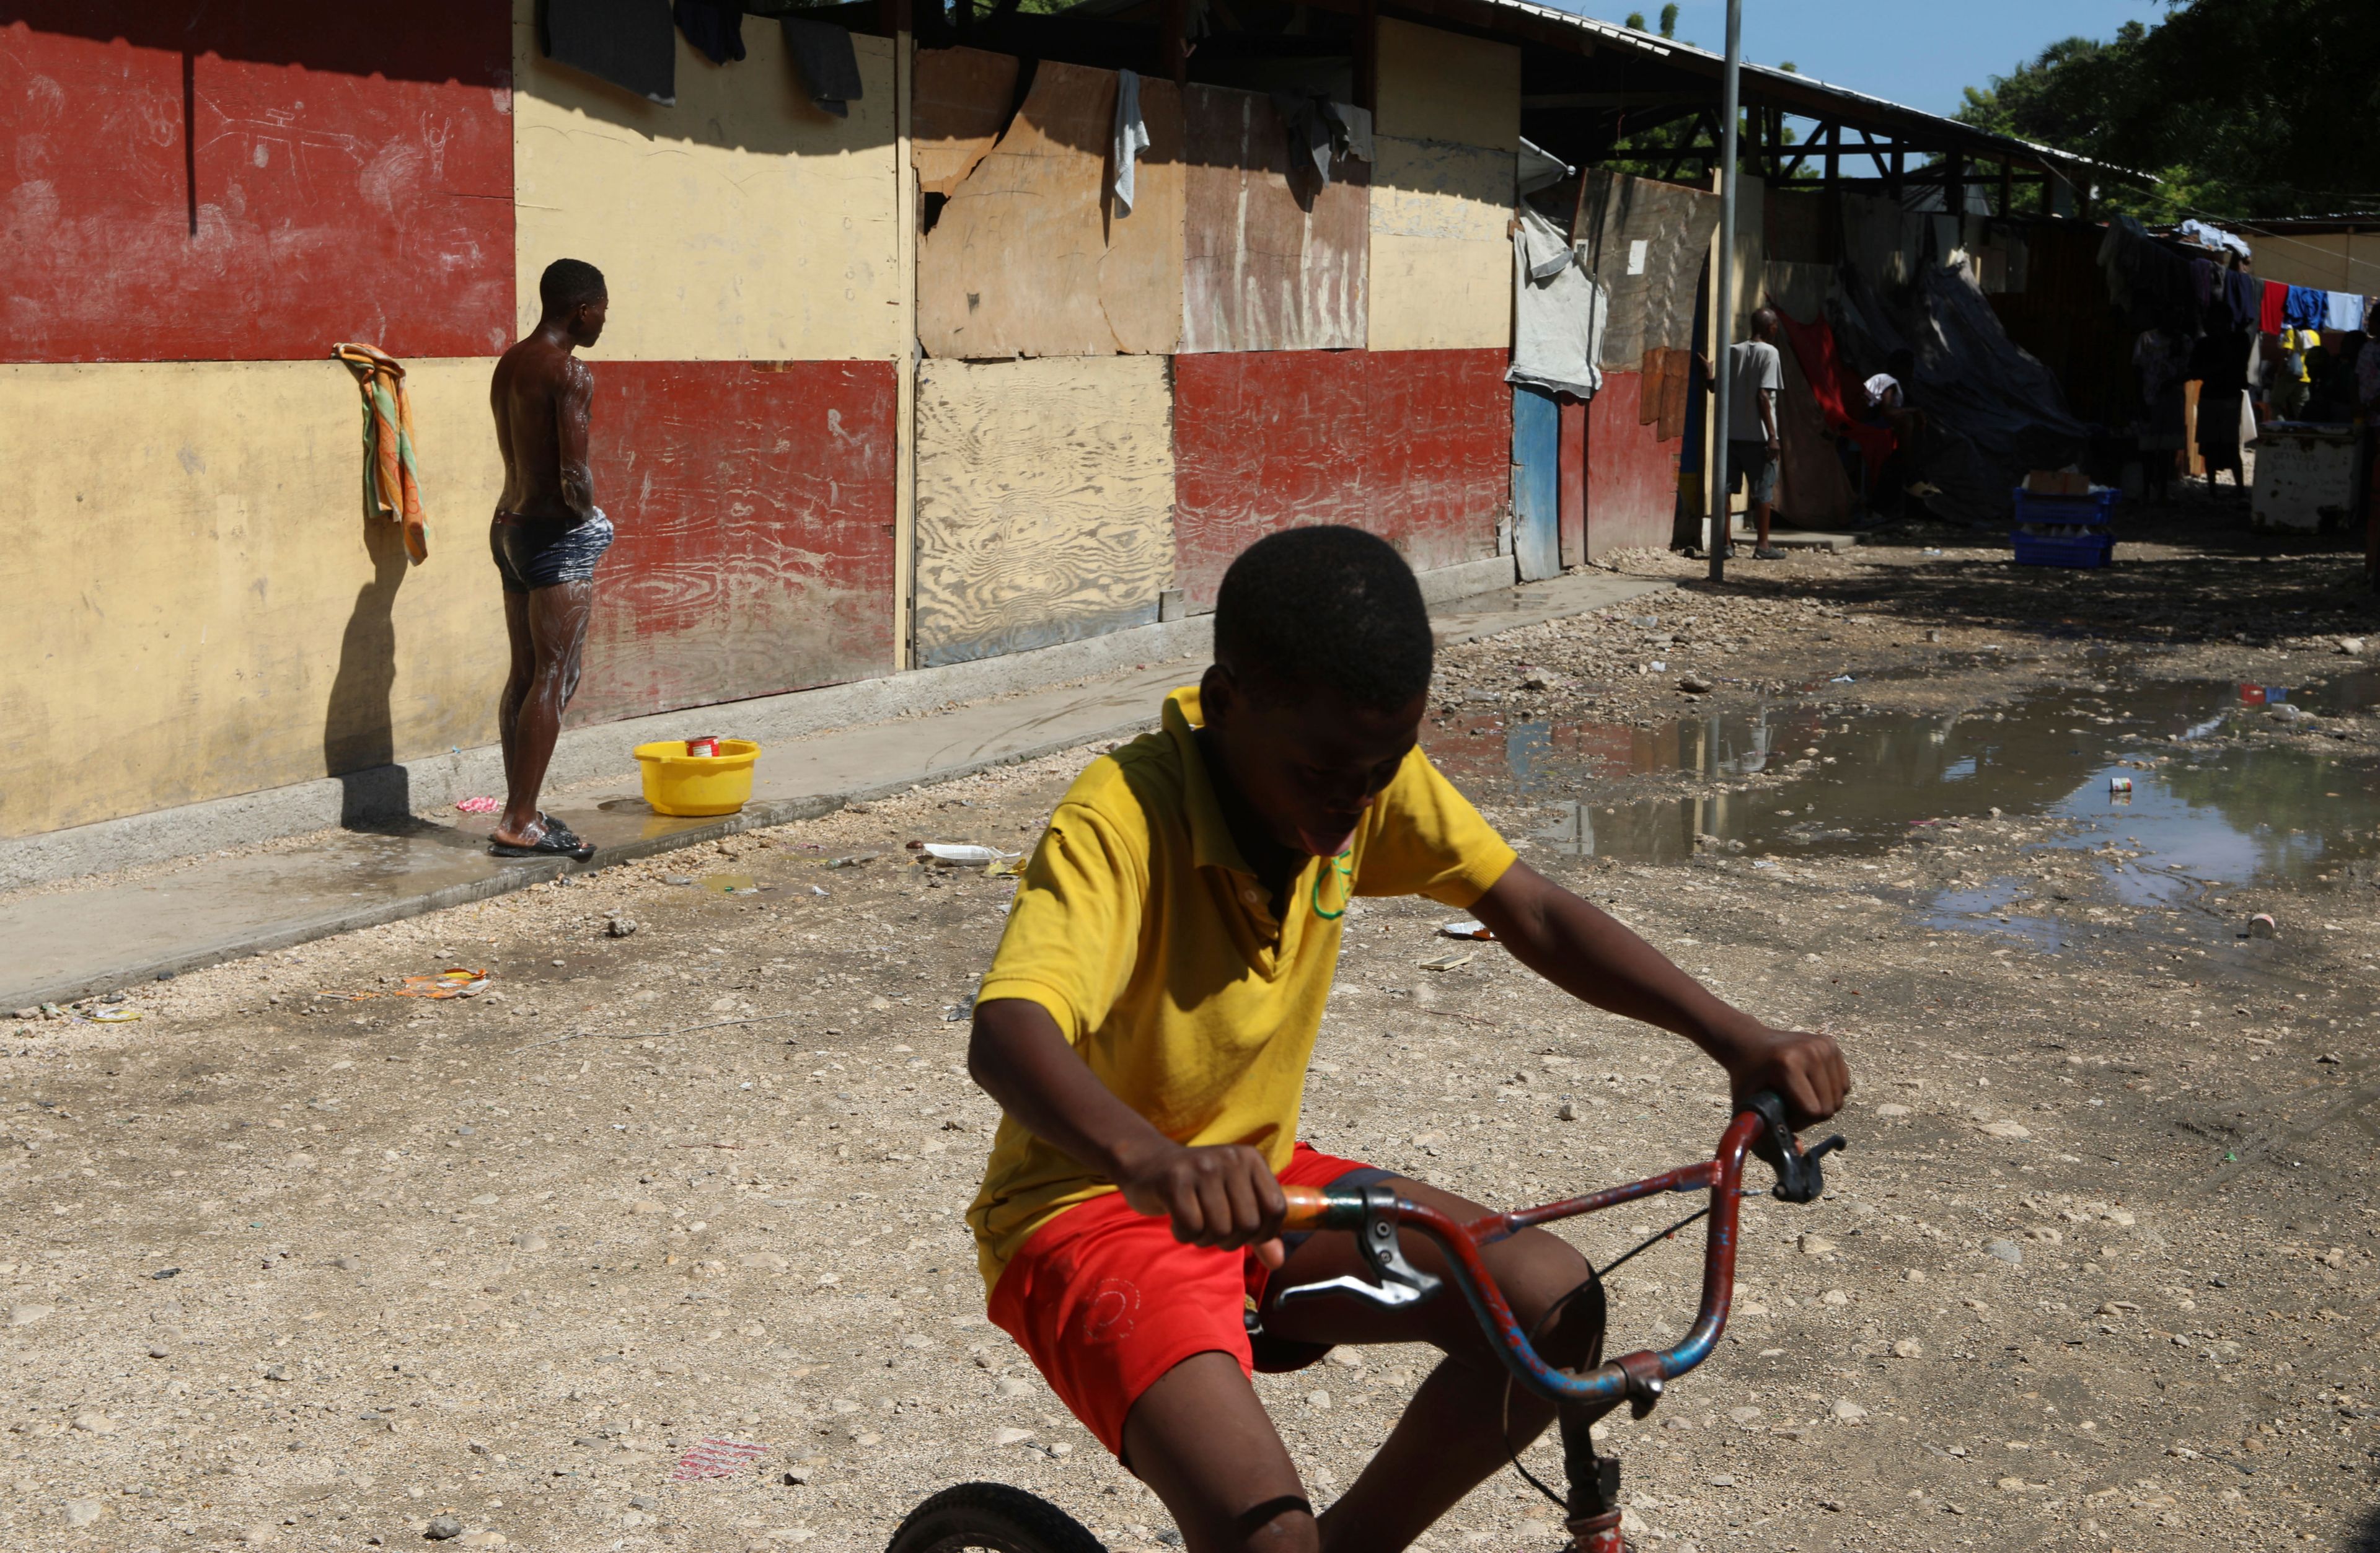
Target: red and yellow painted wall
[{"x": 199, "y": 201}]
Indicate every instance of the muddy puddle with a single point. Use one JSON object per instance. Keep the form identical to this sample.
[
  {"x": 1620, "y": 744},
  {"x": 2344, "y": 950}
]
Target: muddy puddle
[{"x": 2146, "y": 766}]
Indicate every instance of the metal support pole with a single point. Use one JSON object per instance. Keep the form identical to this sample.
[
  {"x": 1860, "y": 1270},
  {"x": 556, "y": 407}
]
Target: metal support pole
[{"x": 1723, "y": 299}]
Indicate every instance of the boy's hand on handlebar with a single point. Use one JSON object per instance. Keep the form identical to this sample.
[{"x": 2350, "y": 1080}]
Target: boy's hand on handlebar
[
  {"x": 1224, "y": 1195},
  {"x": 1805, "y": 1070}
]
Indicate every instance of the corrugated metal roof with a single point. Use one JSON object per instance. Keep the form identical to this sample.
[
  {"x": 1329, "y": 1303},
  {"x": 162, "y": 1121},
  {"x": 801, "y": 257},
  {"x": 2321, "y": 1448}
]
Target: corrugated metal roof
[{"x": 1791, "y": 83}]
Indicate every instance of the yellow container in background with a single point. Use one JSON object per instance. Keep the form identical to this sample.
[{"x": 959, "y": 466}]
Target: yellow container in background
[{"x": 679, "y": 783}]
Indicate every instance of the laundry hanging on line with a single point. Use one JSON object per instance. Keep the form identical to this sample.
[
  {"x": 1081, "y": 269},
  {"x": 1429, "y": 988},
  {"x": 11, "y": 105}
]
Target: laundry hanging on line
[
  {"x": 829, "y": 64},
  {"x": 628, "y": 44},
  {"x": 715, "y": 28}
]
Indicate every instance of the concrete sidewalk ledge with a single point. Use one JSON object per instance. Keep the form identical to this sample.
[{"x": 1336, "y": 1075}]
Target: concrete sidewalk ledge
[
  {"x": 383, "y": 795},
  {"x": 108, "y": 934}
]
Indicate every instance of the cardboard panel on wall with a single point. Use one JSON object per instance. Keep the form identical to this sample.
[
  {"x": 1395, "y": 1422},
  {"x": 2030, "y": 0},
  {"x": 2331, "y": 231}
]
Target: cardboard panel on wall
[
  {"x": 1646, "y": 242},
  {"x": 1029, "y": 259},
  {"x": 1261, "y": 270},
  {"x": 254, "y": 180},
  {"x": 964, "y": 99},
  {"x": 205, "y": 604},
  {"x": 1444, "y": 86},
  {"x": 1045, "y": 502},
  {"x": 1413, "y": 445},
  {"x": 743, "y": 223},
  {"x": 754, "y": 506}
]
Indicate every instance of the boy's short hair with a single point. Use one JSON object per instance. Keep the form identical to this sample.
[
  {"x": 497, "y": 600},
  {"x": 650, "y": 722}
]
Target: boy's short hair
[
  {"x": 1325, "y": 607},
  {"x": 566, "y": 283}
]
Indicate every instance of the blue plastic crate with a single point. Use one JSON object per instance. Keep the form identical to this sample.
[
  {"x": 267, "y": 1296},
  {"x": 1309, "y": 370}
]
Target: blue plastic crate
[
  {"x": 2079, "y": 547},
  {"x": 2097, "y": 507}
]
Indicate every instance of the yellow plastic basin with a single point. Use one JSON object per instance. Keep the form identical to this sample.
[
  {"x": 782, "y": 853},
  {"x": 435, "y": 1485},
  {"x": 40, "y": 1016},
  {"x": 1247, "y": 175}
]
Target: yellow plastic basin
[{"x": 677, "y": 782}]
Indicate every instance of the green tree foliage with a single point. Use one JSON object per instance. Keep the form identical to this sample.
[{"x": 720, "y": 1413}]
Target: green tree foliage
[{"x": 2240, "y": 107}]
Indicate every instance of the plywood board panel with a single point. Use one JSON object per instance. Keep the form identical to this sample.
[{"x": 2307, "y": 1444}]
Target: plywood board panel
[
  {"x": 1029, "y": 258},
  {"x": 1632, "y": 471},
  {"x": 1424, "y": 188},
  {"x": 755, "y": 507},
  {"x": 1045, "y": 502},
  {"x": 964, "y": 100},
  {"x": 1646, "y": 242},
  {"x": 1443, "y": 86},
  {"x": 204, "y": 606},
  {"x": 742, "y": 225},
  {"x": 252, "y": 180},
  {"x": 1259, "y": 271},
  {"x": 1413, "y": 445},
  {"x": 1440, "y": 294},
  {"x": 1440, "y": 272}
]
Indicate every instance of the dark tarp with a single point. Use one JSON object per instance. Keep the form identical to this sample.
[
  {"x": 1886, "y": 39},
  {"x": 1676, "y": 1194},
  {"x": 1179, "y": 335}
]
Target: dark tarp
[{"x": 1997, "y": 412}]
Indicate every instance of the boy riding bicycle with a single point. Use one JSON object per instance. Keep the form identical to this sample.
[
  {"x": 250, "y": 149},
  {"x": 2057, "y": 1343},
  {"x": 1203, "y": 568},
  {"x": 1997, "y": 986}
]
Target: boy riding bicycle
[{"x": 1146, "y": 1026}]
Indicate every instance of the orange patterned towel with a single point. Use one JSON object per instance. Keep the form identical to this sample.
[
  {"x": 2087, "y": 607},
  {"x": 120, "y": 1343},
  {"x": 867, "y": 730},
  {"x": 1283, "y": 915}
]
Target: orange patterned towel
[{"x": 391, "y": 477}]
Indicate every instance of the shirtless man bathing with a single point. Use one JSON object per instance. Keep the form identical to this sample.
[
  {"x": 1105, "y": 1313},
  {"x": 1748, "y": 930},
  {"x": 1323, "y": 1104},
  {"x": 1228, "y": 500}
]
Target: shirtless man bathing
[{"x": 547, "y": 537}]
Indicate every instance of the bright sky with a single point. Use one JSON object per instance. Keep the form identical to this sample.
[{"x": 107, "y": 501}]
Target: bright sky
[{"x": 1919, "y": 54}]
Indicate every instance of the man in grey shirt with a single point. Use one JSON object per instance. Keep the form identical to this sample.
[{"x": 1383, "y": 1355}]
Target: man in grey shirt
[{"x": 1755, "y": 376}]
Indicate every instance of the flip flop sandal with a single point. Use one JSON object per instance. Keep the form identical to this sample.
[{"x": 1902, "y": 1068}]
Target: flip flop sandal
[
  {"x": 557, "y": 842},
  {"x": 556, "y": 828}
]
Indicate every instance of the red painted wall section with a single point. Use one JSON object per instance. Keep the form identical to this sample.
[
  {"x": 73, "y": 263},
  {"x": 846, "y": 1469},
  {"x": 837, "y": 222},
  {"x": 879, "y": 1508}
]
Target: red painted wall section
[
  {"x": 1631, "y": 474},
  {"x": 254, "y": 179},
  {"x": 1572, "y": 479},
  {"x": 1414, "y": 445},
  {"x": 754, "y": 507}
]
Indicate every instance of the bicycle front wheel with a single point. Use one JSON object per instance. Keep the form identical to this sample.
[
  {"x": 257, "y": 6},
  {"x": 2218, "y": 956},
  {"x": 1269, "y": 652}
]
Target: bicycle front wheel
[{"x": 990, "y": 1518}]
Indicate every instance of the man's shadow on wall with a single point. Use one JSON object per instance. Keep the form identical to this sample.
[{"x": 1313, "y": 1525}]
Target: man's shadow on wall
[{"x": 359, "y": 728}]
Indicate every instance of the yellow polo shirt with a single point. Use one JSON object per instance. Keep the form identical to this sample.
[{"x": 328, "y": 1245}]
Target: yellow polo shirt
[{"x": 1149, "y": 940}]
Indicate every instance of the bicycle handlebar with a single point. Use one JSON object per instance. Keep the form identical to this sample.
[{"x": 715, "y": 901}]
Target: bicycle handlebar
[{"x": 1375, "y": 1214}]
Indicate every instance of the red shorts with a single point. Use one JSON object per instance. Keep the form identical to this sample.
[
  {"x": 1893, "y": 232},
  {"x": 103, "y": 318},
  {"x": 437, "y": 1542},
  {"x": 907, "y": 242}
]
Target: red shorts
[{"x": 1104, "y": 1300}]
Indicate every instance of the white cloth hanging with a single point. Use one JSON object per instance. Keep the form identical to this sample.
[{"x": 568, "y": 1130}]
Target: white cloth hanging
[{"x": 1131, "y": 136}]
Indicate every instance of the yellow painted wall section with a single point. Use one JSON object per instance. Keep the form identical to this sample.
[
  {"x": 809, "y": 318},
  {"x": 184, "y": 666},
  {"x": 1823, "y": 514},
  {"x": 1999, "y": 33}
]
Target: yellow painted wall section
[
  {"x": 1443, "y": 86},
  {"x": 201, "y": 606},
  {"x": 1045, "y": 501},
  {"x": 743, "y": 224},
  {"x": 1442, "y": 265}
]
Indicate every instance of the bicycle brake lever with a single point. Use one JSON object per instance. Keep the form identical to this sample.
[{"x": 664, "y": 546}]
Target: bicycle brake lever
[
  {"x": 1800, "y": 1176},
  {"x": 1389, "y": 1296},
  {"x": 1399, "y": 1283}
]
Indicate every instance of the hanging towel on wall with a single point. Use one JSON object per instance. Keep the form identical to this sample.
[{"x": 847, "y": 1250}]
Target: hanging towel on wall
[
  {"x": 392, "y": 484},
  {"x": 2272, "y": 308},
  {"x": 2344, "y": 312},
  {"x": 628, "y": 42},
  {"x": 2305, "y": 307},
  {"x": 829, "y": 66},
  {"x": 1558, "y": 311},
  {"x": 714, "y": 27},
  {"x": 1131, "y": 136}
]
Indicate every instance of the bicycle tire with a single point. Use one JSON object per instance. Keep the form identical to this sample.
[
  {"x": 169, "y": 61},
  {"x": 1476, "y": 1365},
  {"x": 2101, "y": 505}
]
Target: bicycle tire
[{"x": 994, "y": 1518}]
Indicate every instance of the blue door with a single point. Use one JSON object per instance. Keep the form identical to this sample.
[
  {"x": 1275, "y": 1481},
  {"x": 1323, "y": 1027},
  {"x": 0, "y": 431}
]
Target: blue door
[{"x": 1537, "y": 483}]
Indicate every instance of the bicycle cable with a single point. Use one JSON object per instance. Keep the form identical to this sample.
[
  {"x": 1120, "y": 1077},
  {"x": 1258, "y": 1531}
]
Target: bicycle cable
[{"x": 1594, "y": 1281}]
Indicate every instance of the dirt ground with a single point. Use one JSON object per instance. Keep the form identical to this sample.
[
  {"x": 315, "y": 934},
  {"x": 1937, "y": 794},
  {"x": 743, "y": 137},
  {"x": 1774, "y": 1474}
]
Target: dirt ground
[{"x": 292, "y": 1260}]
